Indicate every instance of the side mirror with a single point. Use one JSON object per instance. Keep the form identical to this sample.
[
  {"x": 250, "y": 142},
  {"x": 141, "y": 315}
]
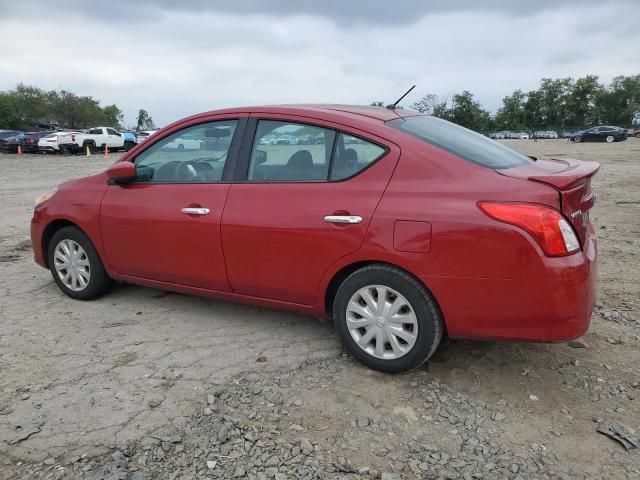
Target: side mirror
[
  {"x": 121, "y": 172},
  {"x": 260, "y": 157}
]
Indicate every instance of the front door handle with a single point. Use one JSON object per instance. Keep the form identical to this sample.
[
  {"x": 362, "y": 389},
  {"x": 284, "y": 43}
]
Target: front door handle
[
  {"x": 195, "y": 211},
  {"x": 343, "y": 219}
]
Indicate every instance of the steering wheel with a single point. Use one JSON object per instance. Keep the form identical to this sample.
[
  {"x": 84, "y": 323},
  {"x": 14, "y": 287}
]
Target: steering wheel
[{"x": 187, "y": 170}]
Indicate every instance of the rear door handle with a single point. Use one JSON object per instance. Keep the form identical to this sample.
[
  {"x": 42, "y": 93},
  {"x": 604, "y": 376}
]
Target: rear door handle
[
  {"x": 195, "y": 211},
  {"x": 343, "y": 219}
]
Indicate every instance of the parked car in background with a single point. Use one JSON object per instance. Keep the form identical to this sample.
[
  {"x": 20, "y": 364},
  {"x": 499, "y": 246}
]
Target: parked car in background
[
  {"x": 143, "y": 135},
  {"x": 540, "y": 134},
  {"x": 566, "y": 134},
  {"x": 9, "y": 133},
  {"x": 634, "y": 133},
  {"x": 49, "y": 142},
  {"x": 524, "y": 136},
  {"x": 552, "y": 134},
  {"x": 603, "y": 133},
  {"x": 27, "y": 142},
  {"x": 364, "y": 233},
  {"x": 185, "y": 142},
  {"x": 130, "y": 140},
  {"x": 286, "y": 140},
  {"x": 499, "y": 136},
  {"x": 93, "y": 139}
]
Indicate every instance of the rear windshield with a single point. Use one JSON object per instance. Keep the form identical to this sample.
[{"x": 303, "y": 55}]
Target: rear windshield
[{"x": 460, "y": 141}]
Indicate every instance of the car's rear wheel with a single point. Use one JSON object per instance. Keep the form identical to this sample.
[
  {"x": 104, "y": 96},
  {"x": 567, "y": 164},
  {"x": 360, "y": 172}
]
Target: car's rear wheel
[
  {"x": 577, "y": 139},
  {"x": 76, "y": 266},
  {"x": 387, "y": 319},
  {"x": 610, "y": 138}
]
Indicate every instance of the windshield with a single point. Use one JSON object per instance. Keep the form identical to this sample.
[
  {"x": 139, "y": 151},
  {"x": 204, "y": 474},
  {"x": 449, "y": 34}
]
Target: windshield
[{"x": 460, "y": 141}]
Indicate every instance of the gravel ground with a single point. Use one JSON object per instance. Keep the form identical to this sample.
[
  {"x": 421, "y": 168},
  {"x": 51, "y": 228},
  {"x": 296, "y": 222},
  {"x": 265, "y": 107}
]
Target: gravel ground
[{"x": 148, "y": 384}]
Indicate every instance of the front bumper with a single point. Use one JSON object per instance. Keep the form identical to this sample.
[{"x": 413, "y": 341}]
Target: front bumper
[{"x": 37, "y": 238}]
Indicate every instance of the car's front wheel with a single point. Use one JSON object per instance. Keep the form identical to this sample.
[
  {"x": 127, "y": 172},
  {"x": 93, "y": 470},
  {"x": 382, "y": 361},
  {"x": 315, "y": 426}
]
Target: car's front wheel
[
  {"x": 610, "y": 139},
  {"x": 76, "y": 266},
  {"x": 387, "y": 319},
  {"x": 577, "y": 139}
]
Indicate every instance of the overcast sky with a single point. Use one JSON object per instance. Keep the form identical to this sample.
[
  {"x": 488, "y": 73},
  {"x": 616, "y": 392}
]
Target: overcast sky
[{"x": 176, "y": 58}]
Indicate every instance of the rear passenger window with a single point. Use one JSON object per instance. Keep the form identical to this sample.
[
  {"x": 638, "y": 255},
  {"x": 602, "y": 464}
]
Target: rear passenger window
[
  {"x": 290, "y": 152},
  {"x": 353, "y": 155}
]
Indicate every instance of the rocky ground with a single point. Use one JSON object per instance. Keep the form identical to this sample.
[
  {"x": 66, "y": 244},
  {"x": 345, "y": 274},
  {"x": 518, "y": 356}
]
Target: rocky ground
[{"x": 100, "y": 391}]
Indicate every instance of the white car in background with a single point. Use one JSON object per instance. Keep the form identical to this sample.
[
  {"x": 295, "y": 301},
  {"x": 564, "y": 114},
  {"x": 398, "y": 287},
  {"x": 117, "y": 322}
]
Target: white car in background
[
  {"x": 49, "y": 143},
  {"x": 524, "y": 136},
  {"x": 185, "y": 143},
  {"x": 552, "y": 134},
  {"x": 143, "y": 135}
]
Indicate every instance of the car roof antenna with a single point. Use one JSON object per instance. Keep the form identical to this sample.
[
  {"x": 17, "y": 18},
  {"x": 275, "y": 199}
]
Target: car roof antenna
[{"x": 394, "y": 105}]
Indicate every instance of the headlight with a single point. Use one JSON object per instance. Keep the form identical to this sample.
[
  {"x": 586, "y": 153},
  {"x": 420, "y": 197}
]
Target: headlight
[{"x": 45, "y": 197}]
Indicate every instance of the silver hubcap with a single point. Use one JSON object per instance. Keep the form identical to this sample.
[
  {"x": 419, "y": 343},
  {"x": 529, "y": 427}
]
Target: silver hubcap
[
  {"x": 72, "y": 265},
  {"x": 610, "y": 139},
  {"x": 382, "y": 322}
]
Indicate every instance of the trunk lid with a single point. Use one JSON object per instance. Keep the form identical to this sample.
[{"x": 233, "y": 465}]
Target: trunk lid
[{"x": 572, "y": 179}]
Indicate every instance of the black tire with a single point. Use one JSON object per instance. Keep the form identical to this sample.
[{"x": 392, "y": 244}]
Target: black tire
[
  {"x": 90, "y": 146},
  {"x": 128, "y": 146},
  {"x": 429, "y": 319},
  {"x": 99, "y": 282}
]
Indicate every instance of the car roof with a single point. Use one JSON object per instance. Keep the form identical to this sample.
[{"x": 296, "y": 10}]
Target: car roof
[{"x": 326, "y": 111}]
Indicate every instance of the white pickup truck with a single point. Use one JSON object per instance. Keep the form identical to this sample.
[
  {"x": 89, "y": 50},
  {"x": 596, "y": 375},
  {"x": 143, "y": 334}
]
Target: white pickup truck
[{"x": 93, "y": 139}]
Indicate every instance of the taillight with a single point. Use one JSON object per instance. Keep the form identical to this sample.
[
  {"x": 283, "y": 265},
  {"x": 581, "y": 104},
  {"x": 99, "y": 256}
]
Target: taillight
[{"x": 545, "y": 224}]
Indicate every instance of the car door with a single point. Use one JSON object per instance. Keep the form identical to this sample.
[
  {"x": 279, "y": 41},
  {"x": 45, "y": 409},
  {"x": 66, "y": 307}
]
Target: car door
[
  {"x": 300, "y": 207},
  {"x": 165, "y": 226},
  {"x": 114, "y": 139}
]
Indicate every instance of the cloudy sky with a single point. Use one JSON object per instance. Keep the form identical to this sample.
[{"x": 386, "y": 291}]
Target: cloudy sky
[{"x": 175, "y": 58}]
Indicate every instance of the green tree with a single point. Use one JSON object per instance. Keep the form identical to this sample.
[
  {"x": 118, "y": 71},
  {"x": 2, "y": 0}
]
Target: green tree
[
  {"x": 113, "y": 116},
  {"x": 581, "y": 108},
  {"x": 467, "y": 112},
  {"x": 512, "y": 114},
  {"x": 431, "y": 104},
  {"x": 145, "y": 122},
  {"x": 619, "y": 103}
]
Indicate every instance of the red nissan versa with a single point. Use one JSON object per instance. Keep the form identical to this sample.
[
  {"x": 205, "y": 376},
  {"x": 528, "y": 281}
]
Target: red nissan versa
[{"x": 399, "y": 226}]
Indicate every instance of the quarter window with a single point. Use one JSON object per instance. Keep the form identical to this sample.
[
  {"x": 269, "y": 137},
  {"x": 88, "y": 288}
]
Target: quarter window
[
  {"x": 353, "y": 154},
  {"x": 290, "y": 152},
  {"x": 196, "y": 154}
]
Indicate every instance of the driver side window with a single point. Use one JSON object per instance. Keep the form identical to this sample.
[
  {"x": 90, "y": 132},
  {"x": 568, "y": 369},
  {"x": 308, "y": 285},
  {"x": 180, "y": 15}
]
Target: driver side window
[{"x": 196, "y": 154}]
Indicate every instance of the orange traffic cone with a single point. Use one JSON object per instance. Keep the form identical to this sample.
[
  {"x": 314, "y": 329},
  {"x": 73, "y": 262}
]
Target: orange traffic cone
[
  {"x": 106, "y": 151},
  {"x": 19, "y": 149}
]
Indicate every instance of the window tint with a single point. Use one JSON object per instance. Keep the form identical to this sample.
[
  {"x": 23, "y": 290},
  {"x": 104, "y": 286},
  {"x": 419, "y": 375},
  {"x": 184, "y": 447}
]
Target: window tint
[
  {"x": 353, "y": 155},
  {"x": 196, "y": 154},
  {"x": 460, "y": 141},
  {"x": 290, "y": 152},
  {"x": 111, "y": 131},
  {"x": 95, "y": 131}
]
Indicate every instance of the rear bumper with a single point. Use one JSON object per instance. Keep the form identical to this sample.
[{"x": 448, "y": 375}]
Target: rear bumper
[{"x": 552, "y": 302}]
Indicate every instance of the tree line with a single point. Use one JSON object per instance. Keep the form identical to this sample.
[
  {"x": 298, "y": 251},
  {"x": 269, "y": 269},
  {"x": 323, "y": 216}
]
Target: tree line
[
  {"x": 557, "y": 104},
  {"x": 27, "y": 107}
]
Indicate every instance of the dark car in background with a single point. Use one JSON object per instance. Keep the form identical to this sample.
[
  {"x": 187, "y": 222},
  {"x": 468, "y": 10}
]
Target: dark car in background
[
  {"x": 603, "y": 133},
  {"x": 28, "y": 142},
  {"x": 6, "y": 138}
]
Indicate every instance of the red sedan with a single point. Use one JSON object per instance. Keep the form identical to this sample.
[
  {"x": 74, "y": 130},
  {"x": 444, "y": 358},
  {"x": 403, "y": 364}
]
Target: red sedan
[{"x": 399, "y": 226}]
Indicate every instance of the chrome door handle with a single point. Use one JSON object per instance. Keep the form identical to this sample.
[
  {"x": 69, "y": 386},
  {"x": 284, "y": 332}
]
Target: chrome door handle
[
  {"x": 195, "y": 211},
  {"x": 343, "y": 219}
]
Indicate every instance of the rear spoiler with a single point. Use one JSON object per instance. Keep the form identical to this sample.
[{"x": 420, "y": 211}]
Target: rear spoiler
[{"x": 562, "y": 174}]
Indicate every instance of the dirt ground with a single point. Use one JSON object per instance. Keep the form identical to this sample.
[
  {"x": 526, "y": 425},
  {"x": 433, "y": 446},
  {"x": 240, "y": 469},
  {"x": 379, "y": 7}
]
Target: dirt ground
[{"x": 87, "y": 388}]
